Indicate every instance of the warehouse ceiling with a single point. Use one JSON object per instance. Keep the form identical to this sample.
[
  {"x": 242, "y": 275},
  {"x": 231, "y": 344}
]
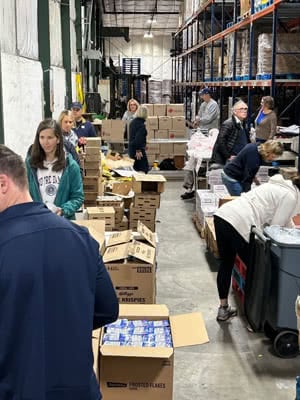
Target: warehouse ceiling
[{"x": 137, "y": 14}]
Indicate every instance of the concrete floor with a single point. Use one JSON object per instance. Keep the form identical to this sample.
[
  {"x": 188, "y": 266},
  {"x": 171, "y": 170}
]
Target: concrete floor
[{"x": 235, "y": 364}]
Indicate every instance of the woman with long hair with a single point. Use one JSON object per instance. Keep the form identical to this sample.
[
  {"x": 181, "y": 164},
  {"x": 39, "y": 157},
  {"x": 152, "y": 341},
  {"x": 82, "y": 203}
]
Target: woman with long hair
[{"x": 54, "y": 178}]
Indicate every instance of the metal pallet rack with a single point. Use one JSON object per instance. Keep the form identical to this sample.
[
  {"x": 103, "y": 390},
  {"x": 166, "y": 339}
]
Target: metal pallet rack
[{"x": 207, "y": 30}]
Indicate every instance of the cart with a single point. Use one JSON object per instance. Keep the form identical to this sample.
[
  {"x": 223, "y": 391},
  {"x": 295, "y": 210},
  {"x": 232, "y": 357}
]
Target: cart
[{"x": 272, "y": 286}]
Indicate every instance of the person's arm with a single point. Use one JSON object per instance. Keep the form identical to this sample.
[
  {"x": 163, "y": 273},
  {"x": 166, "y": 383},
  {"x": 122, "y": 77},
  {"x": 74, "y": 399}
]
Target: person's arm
[
  {"x": 76, "y": 191},
  {"x": 106, "y": 302},
  {"x": 273, "y": 125},
  {"x": 222, "y": 140}
]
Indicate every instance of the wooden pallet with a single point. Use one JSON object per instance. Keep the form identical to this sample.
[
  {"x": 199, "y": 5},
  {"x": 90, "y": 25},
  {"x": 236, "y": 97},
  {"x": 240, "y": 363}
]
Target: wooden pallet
[{"x": 200, "y": 228}]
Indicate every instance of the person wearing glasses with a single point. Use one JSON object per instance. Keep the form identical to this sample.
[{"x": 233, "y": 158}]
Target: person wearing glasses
[
  {"x": 232, "y": 138},
  {"x": 266, "y": 120},
  {"x": 239, "y": 173}
]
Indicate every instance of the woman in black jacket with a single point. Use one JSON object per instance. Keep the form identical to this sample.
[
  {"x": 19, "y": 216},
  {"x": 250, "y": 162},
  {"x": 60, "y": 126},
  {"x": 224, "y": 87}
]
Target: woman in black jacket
[{"x": 137, "y": 140}]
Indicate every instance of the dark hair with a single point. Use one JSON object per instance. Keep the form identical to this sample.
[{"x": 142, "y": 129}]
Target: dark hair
[
  {"x": 296, "y": 181},
  {"x": 37, "y": 153},
  {"x": 269, "y": 102},
  {"x": 12, "y": 165}
]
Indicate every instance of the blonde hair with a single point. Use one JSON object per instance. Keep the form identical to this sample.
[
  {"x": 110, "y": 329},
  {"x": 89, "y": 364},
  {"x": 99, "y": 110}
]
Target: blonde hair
[
  {"x": 141, "y": 112},
  {"x": 270, "y": 147},
  {"x": 132, "y": 101},
  {"x": 63, "y": 114}
]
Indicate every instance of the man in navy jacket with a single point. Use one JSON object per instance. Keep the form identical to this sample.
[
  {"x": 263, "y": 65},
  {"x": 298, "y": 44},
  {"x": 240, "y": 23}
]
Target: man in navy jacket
[{"x": 54, "y": 290}]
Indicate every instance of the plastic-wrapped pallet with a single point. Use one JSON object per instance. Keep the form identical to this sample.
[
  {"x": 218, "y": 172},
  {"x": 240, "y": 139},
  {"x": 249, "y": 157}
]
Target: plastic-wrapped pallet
[
  {"x": 155, "y": 91},
  {"x": 239, "y": 54},
  {"x": 285, "y": 63},
  {"x": 216, "y": 55}
]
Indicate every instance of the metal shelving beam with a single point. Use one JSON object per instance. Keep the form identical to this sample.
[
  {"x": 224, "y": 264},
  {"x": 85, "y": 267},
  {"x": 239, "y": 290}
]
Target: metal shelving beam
[{"x": 258, "y": 15}]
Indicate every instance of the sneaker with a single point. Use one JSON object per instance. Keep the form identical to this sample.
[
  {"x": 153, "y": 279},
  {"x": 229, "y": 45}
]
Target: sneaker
[
  {"x": 188, "y": 195},
  {"x": 226, "y": 312}
]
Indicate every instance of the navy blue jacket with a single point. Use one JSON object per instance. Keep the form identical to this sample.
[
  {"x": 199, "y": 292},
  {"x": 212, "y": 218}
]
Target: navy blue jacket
[
  {"x": 54, "y": 289},
  {"x": 84, "y": 128},
  {"x": 244, "y": 166},
  {"x": 137, "y": 136}
]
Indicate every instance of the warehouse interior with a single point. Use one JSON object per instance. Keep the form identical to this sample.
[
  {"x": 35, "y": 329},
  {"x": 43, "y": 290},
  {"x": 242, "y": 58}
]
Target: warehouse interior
[{"x": 162, "y": 53}]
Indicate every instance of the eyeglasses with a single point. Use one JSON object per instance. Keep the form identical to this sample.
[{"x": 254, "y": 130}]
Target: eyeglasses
[{"x": 241, "y": 109}]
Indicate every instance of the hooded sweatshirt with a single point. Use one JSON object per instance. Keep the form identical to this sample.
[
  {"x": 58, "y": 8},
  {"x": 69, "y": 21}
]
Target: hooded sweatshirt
[{"x": 273, "y": 203}]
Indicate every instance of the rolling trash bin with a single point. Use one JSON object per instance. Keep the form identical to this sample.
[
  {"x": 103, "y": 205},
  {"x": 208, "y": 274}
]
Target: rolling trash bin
[{"x": 273, "y": 286}]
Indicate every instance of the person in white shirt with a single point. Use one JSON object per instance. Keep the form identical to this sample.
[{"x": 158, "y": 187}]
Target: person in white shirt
[{"x": 272, "y": 203}]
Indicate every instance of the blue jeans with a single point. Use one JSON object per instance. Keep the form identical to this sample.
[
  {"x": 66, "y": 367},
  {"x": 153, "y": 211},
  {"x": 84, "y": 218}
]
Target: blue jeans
[{"x": 233, "y": 186}]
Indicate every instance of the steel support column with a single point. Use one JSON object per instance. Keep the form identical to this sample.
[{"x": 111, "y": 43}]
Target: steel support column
[
  {"x": 44, "y": 51},
  {"x": 66, "y": 48}
]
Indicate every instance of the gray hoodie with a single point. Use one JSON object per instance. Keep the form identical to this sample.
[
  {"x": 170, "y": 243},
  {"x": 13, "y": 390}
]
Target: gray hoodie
[{"x": 272, "y": 203}]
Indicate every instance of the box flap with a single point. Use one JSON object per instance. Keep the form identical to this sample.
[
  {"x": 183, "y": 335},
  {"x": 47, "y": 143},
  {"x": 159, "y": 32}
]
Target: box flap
[
  {"x": 136, "y": 311},
  {"x": 97, "y": 224},
  {"x": 119, "y": 237},
  {"x": 142, "y": 251},
  {"x": 126, "y": 351},
  {"x": 146, "y": 233},
  {"x": 188, "y": 329},
  {"x": 99, "y": 237},
  {"x": 149, "y": 178},
  {"x": 115, "y": 253}
]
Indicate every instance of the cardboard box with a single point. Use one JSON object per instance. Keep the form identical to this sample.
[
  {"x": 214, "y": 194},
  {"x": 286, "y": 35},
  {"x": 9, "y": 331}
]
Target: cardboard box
[
  {"x": 175, "y": 110},
  {"x": 141, "y": 214},
  {"x": 93, "y": 142},
  {"x": 90, "y": 196},
  {"x": 119, "y": 187},
  {"x": 210, "y": 236},
  {"x": 92, "y": 164},
  {"x": 150, "y": 109},
  {"x": 109, "y": 201},
  {"x": 166, "y": 148},
  {"x": 180, "y": 134},
  {"x": 123, "y": 225},
  {"x": 148, "y": 183},
  {"x": 180, "y": 149},
  {"x": 152, "y": 148},
  {"x": 152, "y": 123},
  {"x": 135, "y": 373},
  {"x": 105, "y": 213},
  {"x": 178, "y": 123},
  {"x": 179, "y": 161},
  {"x": 159, "y": 109},
  {"x": 117, "y": 130},
  {"x": 92, "y": 157},
  {"x": 134, "y": 277},
  {"x": 164, "y": 122},
  {"x": 106, "y": 129},
  {"x": 92, "y": 151},
  {"x": 92, "y": 172},
  {"x": 150, "y": 134},
  {"x": 147, "y": 200},
  {"x": 96, "y": 230},
  {"x": 91, "y": 184},
  {"x": 162, "y": 134}
]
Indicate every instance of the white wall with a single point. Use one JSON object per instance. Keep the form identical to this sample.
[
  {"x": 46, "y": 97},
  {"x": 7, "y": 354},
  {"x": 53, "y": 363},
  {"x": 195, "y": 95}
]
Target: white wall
[
  {"x": 154, "y": 54},
  {"x": 22, "y": 81}
]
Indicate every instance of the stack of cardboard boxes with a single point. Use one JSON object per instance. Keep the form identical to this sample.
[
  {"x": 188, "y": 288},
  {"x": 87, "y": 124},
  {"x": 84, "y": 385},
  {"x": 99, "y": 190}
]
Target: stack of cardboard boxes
[
  {"x": 113, "y": 130},
  {"x": 92, "y": 186},
  {"x": 147, "y": 190},
  {"x": 165, "y": 121},
  {"x": 117, "y": 202}
]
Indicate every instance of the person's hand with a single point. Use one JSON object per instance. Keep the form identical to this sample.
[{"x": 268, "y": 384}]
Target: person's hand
[
  {"x": 196, "y": 123},
  {"x": 58, "y": 211},
  {"x": 138, "y": 155},
  {"x": 231, "y": 157}
]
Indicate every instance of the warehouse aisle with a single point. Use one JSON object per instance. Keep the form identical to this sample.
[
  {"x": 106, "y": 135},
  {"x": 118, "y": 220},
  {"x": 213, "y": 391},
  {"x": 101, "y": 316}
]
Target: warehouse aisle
[{"x": 236, "y": 364}]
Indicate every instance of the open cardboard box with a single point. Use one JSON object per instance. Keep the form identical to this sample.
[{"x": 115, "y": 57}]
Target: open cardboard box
[
  {"x": 135, "y": 373},
  {"x": 148, "y": 183},
  {"x": 131, "y": 265},
  {"x": 96, "y": 228}
]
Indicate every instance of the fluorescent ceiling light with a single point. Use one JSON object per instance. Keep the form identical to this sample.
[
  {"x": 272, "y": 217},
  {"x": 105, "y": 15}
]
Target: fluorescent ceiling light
[
  {"x": 148, "y": 35},
  {"x": 151, "y": 21}
]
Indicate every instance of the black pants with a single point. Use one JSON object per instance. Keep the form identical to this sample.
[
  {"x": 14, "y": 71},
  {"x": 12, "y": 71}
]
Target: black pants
[
  {"x": 142, "y": 164},
  {"x": 230, "y": 243}
]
